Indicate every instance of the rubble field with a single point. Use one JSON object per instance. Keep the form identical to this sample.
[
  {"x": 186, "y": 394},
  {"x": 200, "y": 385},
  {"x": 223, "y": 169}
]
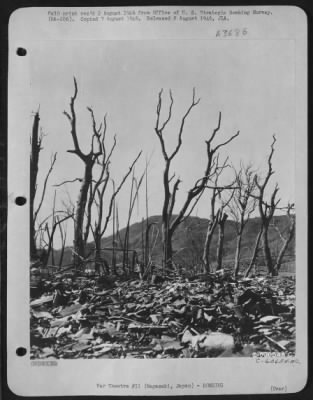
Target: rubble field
[{"x": 206, "y": 316}]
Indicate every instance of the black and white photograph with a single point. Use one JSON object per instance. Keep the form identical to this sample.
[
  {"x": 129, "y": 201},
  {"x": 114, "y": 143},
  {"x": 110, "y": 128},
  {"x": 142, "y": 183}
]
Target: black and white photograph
[{"x": 164, "y": 193}]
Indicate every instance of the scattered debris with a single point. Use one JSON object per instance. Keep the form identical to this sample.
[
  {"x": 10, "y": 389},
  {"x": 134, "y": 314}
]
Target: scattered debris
[{"x": 211, "y": 316}]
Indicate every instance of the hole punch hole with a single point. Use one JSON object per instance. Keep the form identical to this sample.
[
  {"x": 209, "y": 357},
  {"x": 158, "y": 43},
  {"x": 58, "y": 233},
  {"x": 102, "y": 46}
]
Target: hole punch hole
[
  {"x": 21, "y": 51},
  {"x": 20, "y": 200},
  {"x": 21, "y": 351}
]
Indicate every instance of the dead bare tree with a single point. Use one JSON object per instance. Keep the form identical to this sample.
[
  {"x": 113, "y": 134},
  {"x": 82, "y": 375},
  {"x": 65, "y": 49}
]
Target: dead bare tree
[
  {"x": 130, "y": 210},
  {"x": 134, "y": 193},
  {"x": 146, "y": 226},
  {"x": 118, "y": 233},
  {"x": 267, "y": 209},
  {"x": 113, "y": 261},
  {"x": 57, "y": 221},
  {"x": 46, "y": 230},
  {"x": 34, "y": 160},
  {"x": 36, "y": 143},
  {"x": 255, "y": 252},
  {"x": 63, "y": 234},
  {"x": 97, "y": 192},
  {"x": 221, "y": 220},
  {"x": 169, "y": 223},
  {"x": 242, "y": 205},
  {"x": 285, "y": 237},
  {"x": 214, "y": 215},
  {"x": 89, "y": 159},
  {"x": 146, "y": 246}
]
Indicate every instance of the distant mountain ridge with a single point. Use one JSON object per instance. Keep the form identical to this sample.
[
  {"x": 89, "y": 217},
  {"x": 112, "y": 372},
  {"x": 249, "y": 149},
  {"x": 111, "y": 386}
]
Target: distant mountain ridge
[{"x": 189, "y": 238}]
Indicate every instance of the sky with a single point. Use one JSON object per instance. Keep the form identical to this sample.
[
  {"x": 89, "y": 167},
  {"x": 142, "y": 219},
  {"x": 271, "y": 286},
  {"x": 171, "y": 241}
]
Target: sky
[{"x": 250, "y": 81}]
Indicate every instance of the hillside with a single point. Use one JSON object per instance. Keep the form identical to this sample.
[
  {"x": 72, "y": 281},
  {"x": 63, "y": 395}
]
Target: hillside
[{"x": 189, "y": 238}]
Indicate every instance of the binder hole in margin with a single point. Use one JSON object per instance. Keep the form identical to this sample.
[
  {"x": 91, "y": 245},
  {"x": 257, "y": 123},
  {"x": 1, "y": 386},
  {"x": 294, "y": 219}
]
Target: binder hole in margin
[
  {"x": 20, "y": 200},
  {"x": 21, "y": 351},
  {"x": 21, "y": 51}
]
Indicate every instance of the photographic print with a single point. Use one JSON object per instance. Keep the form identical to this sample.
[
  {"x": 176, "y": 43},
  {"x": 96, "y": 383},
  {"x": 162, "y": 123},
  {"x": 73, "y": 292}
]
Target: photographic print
[{"x": 161, "y": 156}]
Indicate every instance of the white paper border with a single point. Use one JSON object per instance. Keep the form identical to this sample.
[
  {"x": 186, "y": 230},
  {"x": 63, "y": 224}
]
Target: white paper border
[{"x": 80, "y": 377}]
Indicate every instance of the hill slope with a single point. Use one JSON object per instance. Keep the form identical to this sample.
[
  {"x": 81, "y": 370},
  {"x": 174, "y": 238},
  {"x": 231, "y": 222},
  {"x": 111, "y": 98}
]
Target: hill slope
[{"x": 189, "y": 238}]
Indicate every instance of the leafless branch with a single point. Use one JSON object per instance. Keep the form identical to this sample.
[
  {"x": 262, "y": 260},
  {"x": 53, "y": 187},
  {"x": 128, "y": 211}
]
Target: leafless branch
[
  {"x": 96, "y": 135},
  {"x": 68, "y": 181},
  {"x": 53, "y": 160},
  {"x": 227, "y": 141},
  {"x": 173, "y": 197},
  {"x": 116, "y": 193},
  {"x": 181, "y": 129},
  {"x": 159, "y": 129},
  {"x": 72, "y": 118},
  {"x": 215, "y": 130},
  {"x": 270, "y": 168}
]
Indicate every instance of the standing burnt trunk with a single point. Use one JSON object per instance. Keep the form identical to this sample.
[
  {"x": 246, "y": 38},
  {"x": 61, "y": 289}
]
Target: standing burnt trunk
[
  {"x": 267, "y": 210},
  {"x": 170, "y": 223},
  {"x": 221, "y": 236},
  {"x": 286, "y": 239},
  {"x": 208, "y": 239},
  {"x": 63, "y": 241},
  {"x": 214, "y": 217},
  {"x": 146, "y": 247},
  {"x": 285, "y": 246},
  {"x": 267, "y": 250},
  {"x": 34, "y": 159},
  {"x": 242, "y": 205},
  {"x": 36, "y": 141},
  {"x": 167, "y": 248},
  {"x": 79, "y": 243},
  {"x": 98, "y": 258},
  {"x": 113, "y": 237},
  {"x": 89, "y": 160},
  {"x": 237, "y": 254},
  {"x": 217, "y": 219},
  {"x": 97, "y": 189},
  {"x": 255, "y": 252}
]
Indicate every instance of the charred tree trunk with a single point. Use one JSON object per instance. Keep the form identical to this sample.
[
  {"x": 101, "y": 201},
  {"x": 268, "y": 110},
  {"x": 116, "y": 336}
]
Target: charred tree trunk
[
  {"x": 206, "y": 250},
  {"x": 63, "y": 240},
  {"x": 101, "y": 264},
  {"x": 286, "y": 242},
  {"x": 214, "y": 218},
  {"x": 146, "y": 247},
  {"x": 145, "y": 243},
  {"x": 255, "y": 252},
  {"x": 126, "y": 237},
  {"x": 207, "y": 243},
  {"x": 52, "y": 254},
  {"x": 101, "y": 223},
  {"x": 61, "y": 256},
  {"x": 169, "y": 223},
  {"x": 266, "y": 250},
  {"x": 56, "y": 222},
  {"x": 135, "y": 186},
  {"x": 166, "y": 237},
  {"x": 167, "y": 249},
  {"x": 220, "y": 245},
  {"x": 267, "y": 210},
  {"x": 79, "y": 243},
  {"x": 98, "y": 263},
  {"x": 242, "y": 205},
  {"x": 237, "y": 255},
  {"x": 34, "y": 159},
  {"x": 89, "y": 160},
  {"x": 113, "y": 241}
]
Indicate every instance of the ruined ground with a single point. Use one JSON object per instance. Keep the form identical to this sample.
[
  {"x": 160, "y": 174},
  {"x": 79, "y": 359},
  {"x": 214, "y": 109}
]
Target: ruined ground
[{"x": 76, "y": 316}]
